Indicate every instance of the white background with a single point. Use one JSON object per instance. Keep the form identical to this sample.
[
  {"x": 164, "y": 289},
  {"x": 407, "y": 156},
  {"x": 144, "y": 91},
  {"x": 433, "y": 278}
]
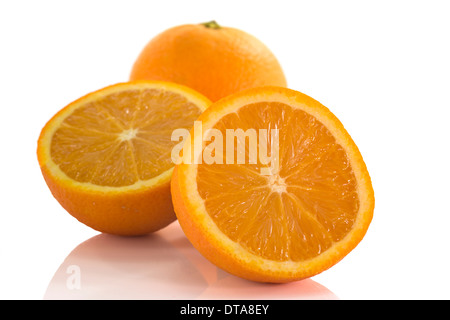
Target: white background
[{"x": 383, "y": 67}]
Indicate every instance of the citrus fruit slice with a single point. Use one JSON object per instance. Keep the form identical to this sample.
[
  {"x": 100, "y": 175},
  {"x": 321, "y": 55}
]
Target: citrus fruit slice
[
  {"x": 265, "y": 222},
  {"x": 212, "y": 59},
  {"x": 106, "y": 157}
]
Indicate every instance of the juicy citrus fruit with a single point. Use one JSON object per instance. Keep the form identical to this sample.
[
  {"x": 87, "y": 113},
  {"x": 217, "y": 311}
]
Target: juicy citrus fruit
[
  {"x": 274, "y": 223},
  {"x": 106, "y": 156},
  {"x": 216, "y": 61}
]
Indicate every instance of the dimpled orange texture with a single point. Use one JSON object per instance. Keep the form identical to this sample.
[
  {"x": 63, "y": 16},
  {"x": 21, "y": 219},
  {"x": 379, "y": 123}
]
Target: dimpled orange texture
[{"x": 215, "y": 61}]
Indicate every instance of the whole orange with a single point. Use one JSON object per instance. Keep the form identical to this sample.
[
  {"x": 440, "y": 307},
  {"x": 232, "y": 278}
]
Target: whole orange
[{"x": 214, "y": 60}]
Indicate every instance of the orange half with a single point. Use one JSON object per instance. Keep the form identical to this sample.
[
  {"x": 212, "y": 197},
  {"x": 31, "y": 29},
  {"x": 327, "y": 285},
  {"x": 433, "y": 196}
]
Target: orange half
[
  {"x": 106, "y": 157},
  {"x": 297, "y": 221}
]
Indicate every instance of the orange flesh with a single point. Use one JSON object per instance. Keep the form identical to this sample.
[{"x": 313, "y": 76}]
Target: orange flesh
[
  {"x": 295, "y": 214},
  {"x": 121, "y": 138}
]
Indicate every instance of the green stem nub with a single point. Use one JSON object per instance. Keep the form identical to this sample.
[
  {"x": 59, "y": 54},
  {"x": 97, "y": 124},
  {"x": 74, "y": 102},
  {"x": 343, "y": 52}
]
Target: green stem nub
[{"x": 212, "y": 25}]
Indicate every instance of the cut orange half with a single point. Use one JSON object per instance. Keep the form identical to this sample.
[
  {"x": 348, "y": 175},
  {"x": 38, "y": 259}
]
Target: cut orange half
[
  {"x": 106, "y": 157},
  {"x": 273, "y": 223}
]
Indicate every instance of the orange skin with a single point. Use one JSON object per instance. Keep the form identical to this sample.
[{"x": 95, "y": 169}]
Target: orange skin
[
  {"x": 216, "y": 61},
  {"x": 128, "y": 214}
]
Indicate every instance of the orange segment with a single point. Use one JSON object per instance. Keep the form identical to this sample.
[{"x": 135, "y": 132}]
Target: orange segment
[
  {"x": 296, "y": 222},
  {"x": 115, "y": 144}
]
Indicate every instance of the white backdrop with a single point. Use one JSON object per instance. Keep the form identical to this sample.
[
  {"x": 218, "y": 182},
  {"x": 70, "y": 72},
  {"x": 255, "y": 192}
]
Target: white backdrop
[{"x": 383, "y": 67}]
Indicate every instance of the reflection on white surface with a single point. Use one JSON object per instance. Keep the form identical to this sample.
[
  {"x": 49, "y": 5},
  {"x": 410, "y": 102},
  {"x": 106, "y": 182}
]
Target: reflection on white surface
[{"x": 163, "y": 265}]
